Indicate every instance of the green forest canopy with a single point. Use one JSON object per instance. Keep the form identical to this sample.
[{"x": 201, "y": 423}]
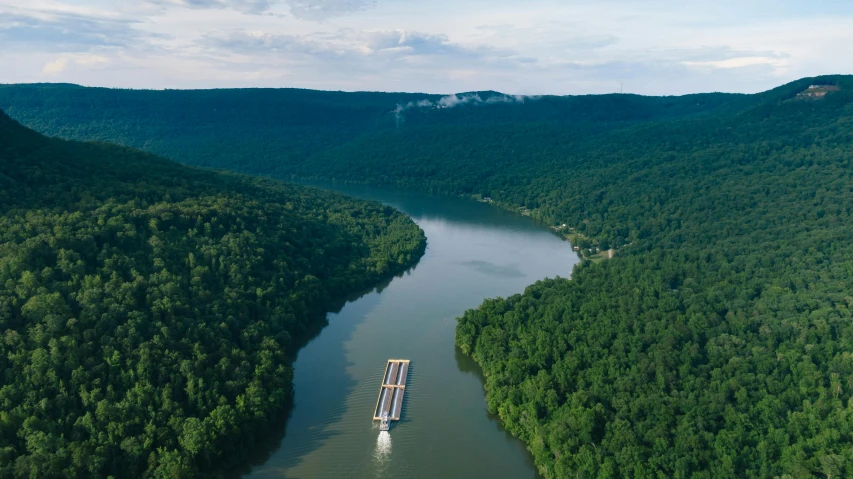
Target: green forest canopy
[
  {"x": 263, "y": 131},
  {"x": 717, "y": 343},
  {"x": 148, "y": 309}
]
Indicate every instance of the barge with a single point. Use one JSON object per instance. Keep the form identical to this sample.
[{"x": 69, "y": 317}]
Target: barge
[{"x": 389, "y": 404}]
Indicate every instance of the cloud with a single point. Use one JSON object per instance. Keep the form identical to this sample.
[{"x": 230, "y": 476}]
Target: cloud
[
  {"x": 55, "y": 67},
  {"x": 557, "y": 35},
  {"x": 250, "y": 43},
  {"x": 402, "y": 41},
  {"x": 60, "y": 65},
  {"x": 91, "y": 60},
  {"x": 645, "y": 70},
  {"x": 318, "y": 10},
  {"x": 250, "y": 6},
  {"x": 727, "y": 58},
  {"x": 372, "y": 59},
  {"x": 243, "y": 6},
  {"x": 451, "y": 101},
  {"x": 740, "y": 62},
  {"x": 541, "y": 46},
  {"x": 718, "y": 53},
  {"x": 345, "y": 42},
  {"x": 314, "y": 10},
  {"x": 65, "y": 31},
  {"x": 348, "y": 44}
]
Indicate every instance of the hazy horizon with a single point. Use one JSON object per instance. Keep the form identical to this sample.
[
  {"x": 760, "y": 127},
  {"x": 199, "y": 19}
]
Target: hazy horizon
[{"x": 459, "y": 94}]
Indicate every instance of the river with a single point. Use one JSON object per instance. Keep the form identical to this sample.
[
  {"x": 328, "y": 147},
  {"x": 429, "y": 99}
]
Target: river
[{"x": 474, "y": 252}]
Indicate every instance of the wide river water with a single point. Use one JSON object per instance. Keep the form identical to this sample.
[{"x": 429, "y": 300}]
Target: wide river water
[{"x": 474, "y": 252}]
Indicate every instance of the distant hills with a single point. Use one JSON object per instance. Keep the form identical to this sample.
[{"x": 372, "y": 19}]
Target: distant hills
[
  {"x": 264, "y": 130},
  {"x": 718, "y": 340},
  {"x": 247, "y": 130},
  {"x": 148, "y": 310}
]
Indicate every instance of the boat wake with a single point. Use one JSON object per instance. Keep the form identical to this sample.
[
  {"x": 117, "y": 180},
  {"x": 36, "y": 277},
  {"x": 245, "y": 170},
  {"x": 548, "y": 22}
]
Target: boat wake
[{"x": 383, "y": 445}]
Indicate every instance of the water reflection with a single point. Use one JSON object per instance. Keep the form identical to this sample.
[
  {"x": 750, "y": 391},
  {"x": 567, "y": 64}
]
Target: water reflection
[
  {"x": 475, "y": 252},
  {"x": 491, "y": 269}
]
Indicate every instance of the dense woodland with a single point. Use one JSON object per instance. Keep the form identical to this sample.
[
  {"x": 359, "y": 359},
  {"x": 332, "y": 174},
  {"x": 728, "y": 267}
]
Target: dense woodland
[
  {"x": 148, "y": 310},
  {"x": 718, "y": 343},
  {"x": 719, "y": 340},
  {"x": 248, "y": 130},
  {"x": 277, "y": 131}
]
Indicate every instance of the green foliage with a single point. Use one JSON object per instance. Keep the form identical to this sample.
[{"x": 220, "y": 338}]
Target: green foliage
[
  {"x": 147, "y": 309},
  {"x": 717, "y": 343},
  {"x": 266, "y": 131},
  {"x": 249, "y": 130}
]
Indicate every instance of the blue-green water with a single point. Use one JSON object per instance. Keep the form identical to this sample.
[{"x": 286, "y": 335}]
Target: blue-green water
[{"x": 474, "y": 252}]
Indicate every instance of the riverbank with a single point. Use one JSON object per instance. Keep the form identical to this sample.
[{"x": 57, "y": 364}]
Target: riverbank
[
  {"x": 588, "y": 248},
  {"x": 474, "y": 252}
]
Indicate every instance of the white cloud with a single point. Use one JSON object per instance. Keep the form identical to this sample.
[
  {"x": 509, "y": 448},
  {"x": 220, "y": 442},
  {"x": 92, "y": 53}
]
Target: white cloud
[
  {"x": 452, "y": 101},
  {"x": 261, "y": 42},
  {"x": 55, "y": 67},
  {"x": 61, "y": 64},
  {"x": 739, "y": 62},
  {"x": 401, "y": 41},
  {"x": 325, "y": 9},
  {"x": 62, "y": 28},
  {"x": 314, "y": 10},
  {"x": 441, "y": 46},
  {"x": 243, "y": 6},
  {"x": 91, "y": 60},
  {"x": 365, "y": 47}
]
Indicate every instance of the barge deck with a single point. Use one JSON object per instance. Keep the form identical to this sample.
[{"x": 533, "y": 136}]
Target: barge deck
[{"x": 389, "y": 404}]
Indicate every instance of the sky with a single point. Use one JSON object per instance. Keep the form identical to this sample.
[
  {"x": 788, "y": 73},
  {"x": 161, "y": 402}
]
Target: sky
[{"x": 532, "y": 47}]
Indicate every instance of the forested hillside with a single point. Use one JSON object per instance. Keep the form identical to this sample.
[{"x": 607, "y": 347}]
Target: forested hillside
[
  {"x": 266, "y": 131},
  {"x": 148, "y": 310},
  {"x": 718, "y": 341},
  {"x": 249, "y": 130}
]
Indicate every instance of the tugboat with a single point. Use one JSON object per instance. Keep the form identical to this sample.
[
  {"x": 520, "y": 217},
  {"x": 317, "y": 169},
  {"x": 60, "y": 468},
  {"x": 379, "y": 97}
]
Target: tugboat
[{"x": 384, "y": 424}]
